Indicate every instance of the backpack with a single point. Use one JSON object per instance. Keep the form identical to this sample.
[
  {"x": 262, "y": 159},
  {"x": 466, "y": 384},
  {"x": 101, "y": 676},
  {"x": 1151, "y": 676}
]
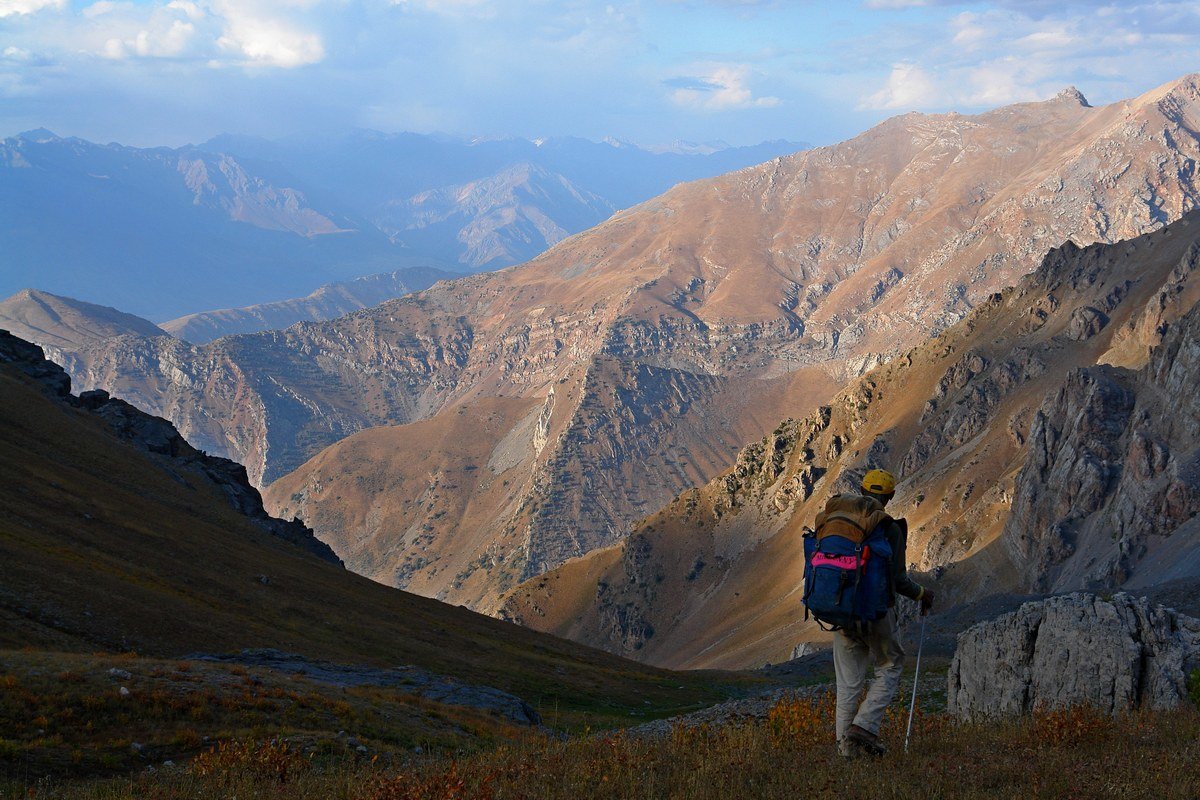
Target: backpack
[{"x": 847, "y": 564}]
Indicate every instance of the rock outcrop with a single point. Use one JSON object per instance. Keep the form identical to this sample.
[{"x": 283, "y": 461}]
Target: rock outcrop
[
  {"x": 157, "y": 436},
  {"x": 1075, "y": 650},
  {"x": 1113, "y": 467}
]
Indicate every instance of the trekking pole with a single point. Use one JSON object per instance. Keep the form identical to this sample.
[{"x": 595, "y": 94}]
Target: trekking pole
[{"x": 912, "y": 706}]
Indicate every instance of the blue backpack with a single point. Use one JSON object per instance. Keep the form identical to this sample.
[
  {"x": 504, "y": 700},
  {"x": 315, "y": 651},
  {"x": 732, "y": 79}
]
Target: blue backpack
[{"x": 847, "y": 564}]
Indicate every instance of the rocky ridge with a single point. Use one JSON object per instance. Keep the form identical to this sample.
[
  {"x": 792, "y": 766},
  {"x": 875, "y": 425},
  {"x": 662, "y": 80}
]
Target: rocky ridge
[
  {"x": 328, "y": 302},
  {"x": 713, "y": 579},
  {"x": 1112, "y": 655},
  {"x": 159, "y": 437},
  {"x": 734, "y": 301},
  {"x": 1113, "y": 469}
]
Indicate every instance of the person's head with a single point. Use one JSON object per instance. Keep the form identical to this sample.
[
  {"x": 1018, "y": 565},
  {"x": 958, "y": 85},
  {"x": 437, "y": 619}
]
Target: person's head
[{"x": 879, "y": 484}]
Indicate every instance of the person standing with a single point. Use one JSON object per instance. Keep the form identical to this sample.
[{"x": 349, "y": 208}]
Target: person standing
[{"x": 871, "y": 642}]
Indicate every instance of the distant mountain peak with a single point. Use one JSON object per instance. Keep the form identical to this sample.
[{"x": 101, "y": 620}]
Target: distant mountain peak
[
  {"x": 39, "y": 135},
  {"x": 1073, "y": 94}
]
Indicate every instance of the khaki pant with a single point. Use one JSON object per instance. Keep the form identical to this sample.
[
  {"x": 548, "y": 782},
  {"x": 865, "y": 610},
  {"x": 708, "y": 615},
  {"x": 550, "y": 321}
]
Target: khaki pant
[{"x": 852, "y": 654}]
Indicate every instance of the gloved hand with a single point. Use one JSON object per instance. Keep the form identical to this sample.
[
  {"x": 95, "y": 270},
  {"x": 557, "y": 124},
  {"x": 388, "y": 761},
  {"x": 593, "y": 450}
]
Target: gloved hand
[{"x": 926, "y": 601}]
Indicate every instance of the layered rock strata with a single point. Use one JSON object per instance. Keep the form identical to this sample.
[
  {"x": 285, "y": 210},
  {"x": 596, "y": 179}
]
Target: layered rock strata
[{"x": 1003, "y": 492}]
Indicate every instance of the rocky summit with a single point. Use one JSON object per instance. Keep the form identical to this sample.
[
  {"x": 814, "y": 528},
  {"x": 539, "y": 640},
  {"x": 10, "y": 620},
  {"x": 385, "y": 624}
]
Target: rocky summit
[
  {"x": 629, "y": 363},
  {"x": 1075, "y": 650}
]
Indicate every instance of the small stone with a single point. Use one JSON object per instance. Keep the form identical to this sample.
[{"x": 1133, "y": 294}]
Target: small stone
[
  {"x": 124, "y": 692},
  {"x": 120, "y": 674},
  {"x": 168, "y": 763},
  {"x": 361, "y": 750},
  {"x": 136, "y": 747},
  {"x": 418, "y": 750}
]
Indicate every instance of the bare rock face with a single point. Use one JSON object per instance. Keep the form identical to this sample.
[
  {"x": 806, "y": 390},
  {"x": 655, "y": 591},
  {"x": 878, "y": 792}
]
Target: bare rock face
[
  {"x": 1078, "y": 649},
  {"x": 1113, "y": 468}
]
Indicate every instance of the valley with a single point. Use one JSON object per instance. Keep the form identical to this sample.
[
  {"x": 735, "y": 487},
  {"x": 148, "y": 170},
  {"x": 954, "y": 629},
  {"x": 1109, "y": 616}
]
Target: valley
[{"x": 646, "y": 351}]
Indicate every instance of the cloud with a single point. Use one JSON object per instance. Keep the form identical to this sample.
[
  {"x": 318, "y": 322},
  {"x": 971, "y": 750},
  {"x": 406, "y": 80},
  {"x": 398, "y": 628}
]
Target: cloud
[
  {"x": 908, "y": 87},
  {"x": 10, "y": 8},
  {"x": 1019, "y": 51},
  {"x": 723, "y": 88},
  {"x": 263, "y": 37}
]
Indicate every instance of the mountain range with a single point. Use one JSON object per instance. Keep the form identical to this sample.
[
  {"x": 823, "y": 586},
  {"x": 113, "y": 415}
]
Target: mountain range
[
  {"x": 1046, "y": 443},
  {"x": 466, "y": 438},
  {"x": 165, "y": 232}
]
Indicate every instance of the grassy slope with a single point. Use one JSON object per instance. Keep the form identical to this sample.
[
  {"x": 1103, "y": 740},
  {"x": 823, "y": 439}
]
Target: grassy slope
[
  {"x": 105, "y": 549},
  {"x": 1063, "y": 754}
]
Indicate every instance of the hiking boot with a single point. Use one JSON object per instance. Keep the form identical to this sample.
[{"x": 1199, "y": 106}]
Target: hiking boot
[
  {"x": 866, "y": 740},
  {"x": 849, "y": 750}
]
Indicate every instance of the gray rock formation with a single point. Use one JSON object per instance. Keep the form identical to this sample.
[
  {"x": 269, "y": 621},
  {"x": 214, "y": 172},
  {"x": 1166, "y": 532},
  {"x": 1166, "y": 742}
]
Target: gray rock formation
[
  {"x": 1113, "y": 468},
  {"x": 157, "y": 436},
  {"x": 1072, "y": 650}
]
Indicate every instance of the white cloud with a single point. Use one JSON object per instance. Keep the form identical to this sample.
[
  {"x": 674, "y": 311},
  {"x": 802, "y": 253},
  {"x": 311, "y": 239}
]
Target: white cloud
[
  {"x": 719, "y": 88},
  {"x": 191, "y": 10},
  {"x": 897, "y": 3},
  {"x": 907, "y": 88},
  {"x": 103, "y": 7},
  {"x": 9, "y": 8},
  {"x": 272, "y": 42},
  {"x": 457, "y": 8},
  {"x": 1020, "y": 51}
]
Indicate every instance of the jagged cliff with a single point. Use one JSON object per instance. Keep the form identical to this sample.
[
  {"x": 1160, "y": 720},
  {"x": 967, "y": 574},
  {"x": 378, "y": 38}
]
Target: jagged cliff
[
  {"x": 670, "y": 334},
  {"x": 158, "y": 437},
  {"x": 1003, "y": 492},
  {"x": 328, "y": 302}
]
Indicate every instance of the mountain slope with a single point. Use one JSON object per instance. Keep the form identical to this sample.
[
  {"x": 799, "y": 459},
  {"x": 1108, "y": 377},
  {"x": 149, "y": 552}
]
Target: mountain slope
[
  {"x": 66, "y": 323},
  {"x": 328, "y": 302},
  {"x": 106, "y": 546},
  {"x": 498, "y": 220},
  {"x": 1002, "y": 492},
  {"x": 678, "y": 329}
]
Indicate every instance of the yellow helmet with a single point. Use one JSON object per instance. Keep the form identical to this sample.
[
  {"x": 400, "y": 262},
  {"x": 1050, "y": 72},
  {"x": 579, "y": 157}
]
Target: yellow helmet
[{"x": 879, "y": 481}]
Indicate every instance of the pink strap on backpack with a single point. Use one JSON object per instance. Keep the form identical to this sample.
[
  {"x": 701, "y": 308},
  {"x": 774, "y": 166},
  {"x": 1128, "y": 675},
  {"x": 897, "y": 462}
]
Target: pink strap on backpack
[{"x": 841, "y": 562}]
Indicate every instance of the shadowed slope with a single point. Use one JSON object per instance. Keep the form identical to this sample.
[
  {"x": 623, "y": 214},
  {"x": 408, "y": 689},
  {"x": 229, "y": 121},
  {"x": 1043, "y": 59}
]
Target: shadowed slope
[{"x": 105, "y": 546}]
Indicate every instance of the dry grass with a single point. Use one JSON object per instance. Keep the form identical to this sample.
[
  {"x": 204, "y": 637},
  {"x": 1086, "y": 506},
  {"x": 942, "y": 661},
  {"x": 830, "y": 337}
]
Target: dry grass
[
  {"x": 1064, "y": 754},
  {"x": 66, "y": 715}
]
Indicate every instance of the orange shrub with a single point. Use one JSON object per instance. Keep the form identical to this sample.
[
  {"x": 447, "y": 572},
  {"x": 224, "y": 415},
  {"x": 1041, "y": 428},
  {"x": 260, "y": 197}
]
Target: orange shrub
[
  {"x": 272, "y": 760},
  {"x": 1069, "y": 725},
  {"x": 803, "y": 720}
]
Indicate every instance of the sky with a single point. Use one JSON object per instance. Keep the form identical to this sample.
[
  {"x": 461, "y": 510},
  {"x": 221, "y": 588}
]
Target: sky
[{"x": 168, "y": 72}]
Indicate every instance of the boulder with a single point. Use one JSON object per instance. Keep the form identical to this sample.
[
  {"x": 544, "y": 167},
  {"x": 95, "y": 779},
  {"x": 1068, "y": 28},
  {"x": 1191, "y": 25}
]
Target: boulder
[{"x": 1078, "y": 649}]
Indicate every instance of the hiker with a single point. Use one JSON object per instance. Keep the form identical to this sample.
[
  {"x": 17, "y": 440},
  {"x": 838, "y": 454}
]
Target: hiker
[{"x": 855, "y": 567}]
